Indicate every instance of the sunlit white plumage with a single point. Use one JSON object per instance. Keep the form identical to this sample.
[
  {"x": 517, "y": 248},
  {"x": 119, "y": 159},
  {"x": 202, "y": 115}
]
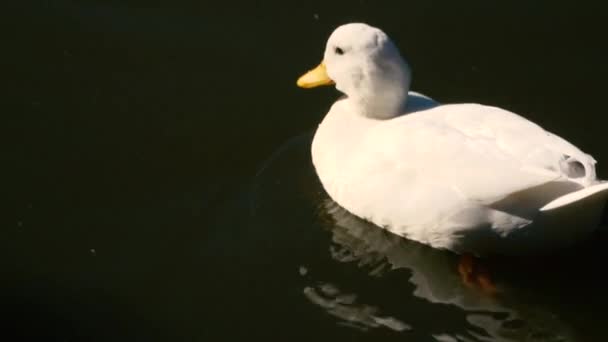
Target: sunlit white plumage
[{"x": 464, "y": 177}]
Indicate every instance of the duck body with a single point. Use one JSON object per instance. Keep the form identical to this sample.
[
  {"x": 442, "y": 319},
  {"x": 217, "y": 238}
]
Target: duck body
[
  {"x": 468, "y": 178},
  {"x": 464, "y": 177}
]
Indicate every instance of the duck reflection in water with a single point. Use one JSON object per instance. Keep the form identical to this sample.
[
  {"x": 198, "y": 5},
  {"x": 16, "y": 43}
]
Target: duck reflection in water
[{"x": 385, "y": 258}]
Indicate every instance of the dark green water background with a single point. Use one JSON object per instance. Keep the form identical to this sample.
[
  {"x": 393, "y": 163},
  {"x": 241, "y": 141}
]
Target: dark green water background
[{"x": 159, "y": 184}]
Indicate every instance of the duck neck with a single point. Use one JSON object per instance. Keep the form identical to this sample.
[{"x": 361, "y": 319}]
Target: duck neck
[{"x": 383, "y": 91}]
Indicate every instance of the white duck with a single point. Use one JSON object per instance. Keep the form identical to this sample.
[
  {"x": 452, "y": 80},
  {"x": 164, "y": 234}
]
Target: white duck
[{"x": 464, "y": 177}]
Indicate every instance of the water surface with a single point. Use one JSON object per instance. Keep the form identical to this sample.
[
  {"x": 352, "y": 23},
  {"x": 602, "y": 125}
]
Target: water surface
[{"x": 160, "y": 184}]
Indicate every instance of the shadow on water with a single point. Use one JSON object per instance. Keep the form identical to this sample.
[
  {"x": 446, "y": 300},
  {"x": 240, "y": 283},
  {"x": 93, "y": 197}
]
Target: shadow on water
[{"x": 301, "y": 267}]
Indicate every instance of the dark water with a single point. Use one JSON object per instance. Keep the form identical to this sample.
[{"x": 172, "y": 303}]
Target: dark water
[{"x": 159, "y": 182}]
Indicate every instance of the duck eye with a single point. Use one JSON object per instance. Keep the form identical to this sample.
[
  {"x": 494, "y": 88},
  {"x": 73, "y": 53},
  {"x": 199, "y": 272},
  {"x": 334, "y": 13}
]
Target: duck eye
[{"x": 339, "y": 51}]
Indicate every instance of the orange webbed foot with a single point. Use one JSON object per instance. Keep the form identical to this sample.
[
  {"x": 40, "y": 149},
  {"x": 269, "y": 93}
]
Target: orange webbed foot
[{"x": 475, "y": 275}]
